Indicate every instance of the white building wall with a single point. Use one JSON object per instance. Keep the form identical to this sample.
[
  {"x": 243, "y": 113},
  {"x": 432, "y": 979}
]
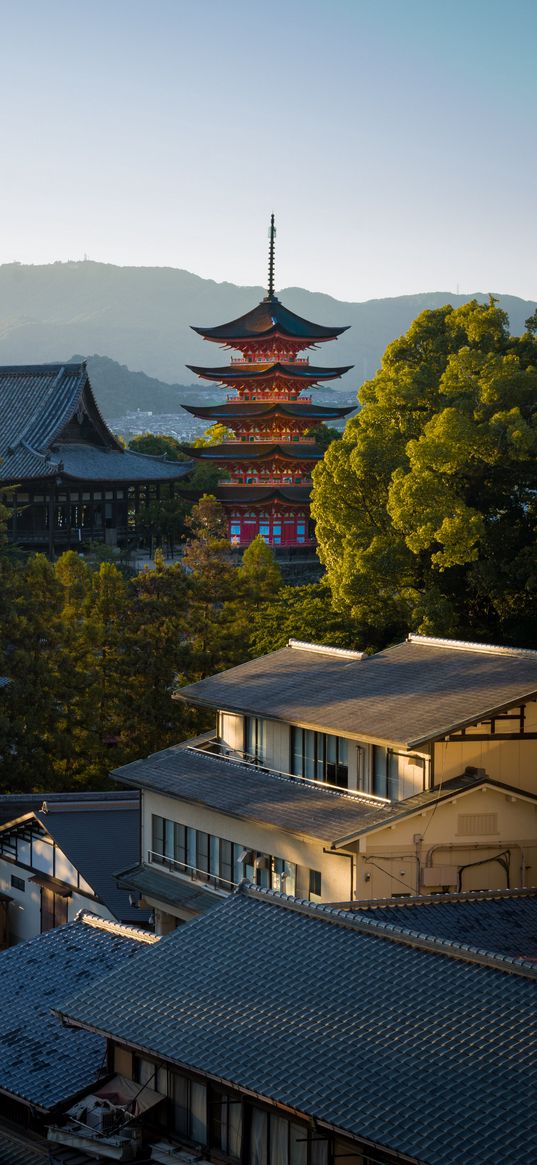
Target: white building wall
[
  {"x": 25, "y": 908},
  {"x": 306, "y": 854}
]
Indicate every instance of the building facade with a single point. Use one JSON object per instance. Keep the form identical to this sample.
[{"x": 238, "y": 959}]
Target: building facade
[{"x": 335, "y": 776}]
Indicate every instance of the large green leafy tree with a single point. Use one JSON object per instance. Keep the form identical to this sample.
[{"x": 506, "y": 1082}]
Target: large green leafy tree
[{"x": 426, "y": 511}]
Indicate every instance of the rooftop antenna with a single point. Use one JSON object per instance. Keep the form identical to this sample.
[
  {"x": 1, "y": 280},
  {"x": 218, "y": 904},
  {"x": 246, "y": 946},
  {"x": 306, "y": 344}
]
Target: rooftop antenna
[{"x": 272, "y": 236}]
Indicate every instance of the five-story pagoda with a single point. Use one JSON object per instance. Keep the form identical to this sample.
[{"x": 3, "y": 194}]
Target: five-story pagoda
[{"x": 268, "y": 466}]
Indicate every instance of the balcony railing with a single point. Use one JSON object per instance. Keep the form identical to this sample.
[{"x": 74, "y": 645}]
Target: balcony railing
[
  {"x": 216, "y": 747},
  {"x": 192, "y": 872}
]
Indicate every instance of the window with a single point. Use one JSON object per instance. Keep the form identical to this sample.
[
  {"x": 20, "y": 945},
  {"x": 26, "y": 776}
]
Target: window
[
  {"x": 226, "y": 1122},
  {"x": 315, "y": 883},
  {"x": 277, "y": 1141},
  {"x": 397, "y": 774},
  {"x": 189, "y": 1107},
  {"x": 18, "y": 883},
  {"x": 255, "y": 738},
  {"x": 216, "y": 860},
  {"x": 319, "y": 757}
]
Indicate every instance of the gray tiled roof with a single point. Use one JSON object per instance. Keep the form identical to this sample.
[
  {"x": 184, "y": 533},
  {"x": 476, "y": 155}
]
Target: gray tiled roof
[
  {"x": 248, "y": 793},
  {"x": 42, "y": 1062},
  {"x": 405, "y": 695},
  {"x": 19, "y": 1149},
  {"x": 501, "y": 921},
  {"x": 164, "y": 887},
  {"x": 420, "y": 1047}
]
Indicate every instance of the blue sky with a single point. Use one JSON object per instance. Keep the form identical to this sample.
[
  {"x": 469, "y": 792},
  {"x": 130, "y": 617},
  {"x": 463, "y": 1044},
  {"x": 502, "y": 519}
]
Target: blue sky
[{"x": 394, "y": 139}]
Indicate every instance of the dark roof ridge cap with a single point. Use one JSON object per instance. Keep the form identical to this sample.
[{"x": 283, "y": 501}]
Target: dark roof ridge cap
[
  {"x": 61, "y": 365},
  {"x": 365, "y": 925},
  {"x": 468, "y": 645},
  {"x": 417, "y": 900},
  {"x": 36, "y": 452},
  {"x": 88, "y": 918}
]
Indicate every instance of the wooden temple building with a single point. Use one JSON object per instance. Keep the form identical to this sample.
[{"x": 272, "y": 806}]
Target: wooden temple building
[
  {"x": 268, "y": 467},
  {"x": 69, "y": 480}
]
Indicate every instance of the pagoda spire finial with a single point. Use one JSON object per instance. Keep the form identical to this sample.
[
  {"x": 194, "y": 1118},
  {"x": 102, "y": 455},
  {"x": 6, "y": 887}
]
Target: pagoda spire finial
[{"x": 272, "y": 236}]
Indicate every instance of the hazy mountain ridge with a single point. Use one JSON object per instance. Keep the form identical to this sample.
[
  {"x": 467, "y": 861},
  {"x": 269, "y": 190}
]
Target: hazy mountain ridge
[{"x": 141, "y": 317}]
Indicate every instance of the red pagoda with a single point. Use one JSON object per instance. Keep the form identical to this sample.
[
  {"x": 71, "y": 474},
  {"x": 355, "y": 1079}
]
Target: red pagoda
[{"x": 269, "y": 464}]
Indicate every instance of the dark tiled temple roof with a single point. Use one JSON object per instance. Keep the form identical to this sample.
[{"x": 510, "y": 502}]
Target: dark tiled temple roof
[
  {"x": 245, "y": 792},
  {"x": 308, "y": 372},
  {"x": 269, "y": 318},
  {"x": 37, "y": 402},
  {"x": 299, "y": 494},
  {"x": 253, "y": 495},
  {"x": 504, "y": 921},
  {"x": 257, "y": 451},
  {"x": 418, "y": 1046},
  {"x": 241, "y": 409},
  {"x": 408, "y": 695},
  {"x": 42, "y": 1062}
]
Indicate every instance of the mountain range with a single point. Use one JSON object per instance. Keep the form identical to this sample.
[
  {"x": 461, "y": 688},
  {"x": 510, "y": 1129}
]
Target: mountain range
[{"x": 141, "y": 316}]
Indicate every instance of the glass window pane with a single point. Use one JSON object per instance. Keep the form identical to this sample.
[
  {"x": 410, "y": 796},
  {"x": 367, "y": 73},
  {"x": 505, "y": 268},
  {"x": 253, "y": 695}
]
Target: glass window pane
[
  {"x": 297, "y": 746},
  {"x": 179, "y": 844},
  {"x": 157, "y": 840},
  {"x": 202, "y": 859},
  {"x": 198, "y": 1112},
  {"x": 258, "y": 1137},
  {"x": 279, "y": 1141},
  {"x": 234, "y": 1128},
  {"x": 168, "y": 838},
  {"x": 309, "y": 754},
  {"x": 379, "y": 770},
  {"x": 298, "y": 1145},
  {"x": 318, "y": 1151},
  {"x": 191, "y": 846},
  {"x": 179, "y": 1093}
]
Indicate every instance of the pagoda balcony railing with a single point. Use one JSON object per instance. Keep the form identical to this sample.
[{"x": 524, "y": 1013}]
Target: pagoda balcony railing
[
  {"x": 239, "y": 360},
  {"x": 267, "y": 400},
  {"x": 216, "y": 747}
]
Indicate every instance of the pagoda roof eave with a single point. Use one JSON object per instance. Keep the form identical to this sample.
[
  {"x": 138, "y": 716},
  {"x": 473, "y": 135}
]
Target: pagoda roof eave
[
  {"x": 255, "y": 451},
  {"x": 270, "y": 318},
  {"x": 250, "y": 409},
  {"x": 229, "y": 375}
]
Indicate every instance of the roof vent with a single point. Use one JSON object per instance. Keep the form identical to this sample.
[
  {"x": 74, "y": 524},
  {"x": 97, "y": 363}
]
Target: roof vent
[{"x": 322, "y": 649}]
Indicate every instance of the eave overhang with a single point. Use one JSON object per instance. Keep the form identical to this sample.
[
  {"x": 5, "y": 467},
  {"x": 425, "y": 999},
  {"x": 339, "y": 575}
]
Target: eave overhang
[{"x": 307, "y": 372}]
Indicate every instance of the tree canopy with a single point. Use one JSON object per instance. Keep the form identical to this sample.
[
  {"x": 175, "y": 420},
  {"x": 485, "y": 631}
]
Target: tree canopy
[{"x": 426, "y": 510}]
